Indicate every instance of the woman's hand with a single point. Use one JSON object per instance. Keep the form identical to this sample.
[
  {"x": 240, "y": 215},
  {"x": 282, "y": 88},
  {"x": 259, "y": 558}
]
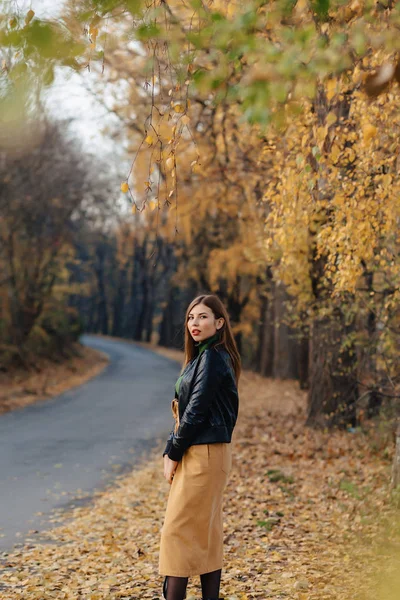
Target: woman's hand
[{"x": 169, "y": 468}]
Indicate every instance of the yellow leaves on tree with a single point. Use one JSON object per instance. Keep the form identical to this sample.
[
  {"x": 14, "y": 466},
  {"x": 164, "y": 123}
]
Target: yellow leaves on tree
[
  {"x": 178, "y": 108},
  {"x": 338, "y": 199},
  {"x": 93, "y": 32},
  {"x": 29, "y": 16},
  {"x": 231, "y": 262},
  {"x": 169, "y": 163}
]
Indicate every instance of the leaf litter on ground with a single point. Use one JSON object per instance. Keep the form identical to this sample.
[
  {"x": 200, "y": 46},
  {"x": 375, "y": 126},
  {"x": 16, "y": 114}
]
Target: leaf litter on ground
[{"x": 307, "y": 512}]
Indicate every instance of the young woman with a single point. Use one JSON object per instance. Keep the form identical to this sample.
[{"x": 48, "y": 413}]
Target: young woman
[{"x": 197, "y": 457}]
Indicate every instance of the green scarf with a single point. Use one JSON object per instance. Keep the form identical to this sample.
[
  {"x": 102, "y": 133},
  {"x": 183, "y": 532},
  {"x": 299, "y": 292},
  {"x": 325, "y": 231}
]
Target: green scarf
[{"x": 206, "y": 343}]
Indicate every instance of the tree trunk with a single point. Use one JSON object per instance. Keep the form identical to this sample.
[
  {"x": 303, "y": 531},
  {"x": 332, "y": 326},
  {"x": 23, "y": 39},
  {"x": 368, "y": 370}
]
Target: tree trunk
[
  {"x": 374, "y": 399},
  {"x": 266, "y": 337},
  {"x": 235, "y": 304},
  {"x": 172, "y": 328},
  {"x": 285, "y": 359},
  {"x": 149, "y": 310},
  {"x": 167, "y": 321},
  {"x": 333, "y": 377},
  {"x": 141, "y": 320},
  {"x": 119, "y": 304},
  {"x": 396, "y": 460},
  {"x": 132, "y": 305},
  {"x": 333, "y": 387},
  {"x": 102, "y": 301},
  {"x": 303, "y": 361}
]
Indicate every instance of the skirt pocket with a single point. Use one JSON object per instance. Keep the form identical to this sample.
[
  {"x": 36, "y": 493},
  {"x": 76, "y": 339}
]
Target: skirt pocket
[
  {"x": 220, "y": 457},
  {"x": 198, "y": 455}
]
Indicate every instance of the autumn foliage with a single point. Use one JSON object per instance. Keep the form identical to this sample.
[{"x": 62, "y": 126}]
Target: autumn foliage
[{"x": 263, "y": 142}]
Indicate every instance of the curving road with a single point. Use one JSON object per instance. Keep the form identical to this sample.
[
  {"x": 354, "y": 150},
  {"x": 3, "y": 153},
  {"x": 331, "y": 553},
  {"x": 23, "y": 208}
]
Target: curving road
[{"x": 57, "y": 452}]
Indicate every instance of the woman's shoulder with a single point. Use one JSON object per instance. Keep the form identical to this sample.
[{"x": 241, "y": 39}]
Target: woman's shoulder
[
  {"x": 219, "y": 353},
  {"x": 216, "y": 349}
]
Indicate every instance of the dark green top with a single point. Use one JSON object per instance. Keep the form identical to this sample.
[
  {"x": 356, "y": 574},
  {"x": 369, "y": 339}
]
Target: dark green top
[{"x": 201, "y": 346}]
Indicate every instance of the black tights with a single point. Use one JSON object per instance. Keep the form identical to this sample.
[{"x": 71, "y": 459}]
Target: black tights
[{"x": 176, "y": 586}]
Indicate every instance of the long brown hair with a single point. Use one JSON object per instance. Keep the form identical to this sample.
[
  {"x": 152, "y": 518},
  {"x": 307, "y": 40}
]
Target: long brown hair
[{"x": 226, "y": 339}]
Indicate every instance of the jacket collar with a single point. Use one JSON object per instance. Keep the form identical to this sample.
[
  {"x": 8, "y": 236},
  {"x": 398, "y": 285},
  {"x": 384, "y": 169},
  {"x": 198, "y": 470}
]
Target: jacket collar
[{"x": 207, "y": 342}]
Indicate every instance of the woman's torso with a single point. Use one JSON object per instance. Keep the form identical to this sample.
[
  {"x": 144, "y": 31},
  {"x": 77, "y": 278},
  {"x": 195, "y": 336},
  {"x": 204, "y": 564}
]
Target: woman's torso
[{"x": 224, "y": 406}]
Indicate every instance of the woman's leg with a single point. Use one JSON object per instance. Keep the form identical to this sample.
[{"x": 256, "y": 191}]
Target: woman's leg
[
  {"x": 176, "y": 588},
  {"x": 210, "y": 584}
]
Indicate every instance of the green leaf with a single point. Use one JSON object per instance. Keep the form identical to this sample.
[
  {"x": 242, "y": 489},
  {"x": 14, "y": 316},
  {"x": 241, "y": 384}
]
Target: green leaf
[
  {"x": 48, "y": 76},
  {"x": 41, "y": 37},
  {"x": 19, "y": 69},
  {"x": 134, "y": 6},
  {"x": 105, "y": 6},
  {"x": 248, "y": 20},
  {"x": 288, "y": 6},
  {"x": 147, "y": 32},
  {"x": 321, "y": 7},
  {"x": 217, "y": 17}
]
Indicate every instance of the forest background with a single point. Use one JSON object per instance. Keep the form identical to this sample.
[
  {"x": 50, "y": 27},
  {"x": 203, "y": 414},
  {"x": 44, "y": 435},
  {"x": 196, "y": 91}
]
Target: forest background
[{"x": 264, "y": 145}]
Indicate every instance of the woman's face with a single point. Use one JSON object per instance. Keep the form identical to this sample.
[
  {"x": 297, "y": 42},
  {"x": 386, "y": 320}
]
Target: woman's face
[{"x": 201, "y": 322}]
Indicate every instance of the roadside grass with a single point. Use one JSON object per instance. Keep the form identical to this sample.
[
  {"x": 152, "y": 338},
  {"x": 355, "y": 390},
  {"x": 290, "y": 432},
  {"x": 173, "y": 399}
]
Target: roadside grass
[{"x": 19, "y": 387}]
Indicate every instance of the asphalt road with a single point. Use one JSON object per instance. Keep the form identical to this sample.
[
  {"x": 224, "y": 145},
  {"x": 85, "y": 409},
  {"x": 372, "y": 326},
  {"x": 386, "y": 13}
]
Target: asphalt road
[{"x": 56, "y": 453}]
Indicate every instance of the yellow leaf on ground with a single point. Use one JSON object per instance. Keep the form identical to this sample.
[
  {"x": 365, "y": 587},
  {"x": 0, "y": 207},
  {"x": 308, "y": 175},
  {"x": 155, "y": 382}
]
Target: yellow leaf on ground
[
  {"x": 331, "y": 88},
  {"x": 331, "y": 118},
  {"x": 335, "y": 152},
  {"x": 369, "y": 132}
]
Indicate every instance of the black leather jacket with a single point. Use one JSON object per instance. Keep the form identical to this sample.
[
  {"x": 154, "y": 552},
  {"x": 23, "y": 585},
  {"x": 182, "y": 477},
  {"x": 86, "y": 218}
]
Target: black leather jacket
[{"x": 208, "y": 402}]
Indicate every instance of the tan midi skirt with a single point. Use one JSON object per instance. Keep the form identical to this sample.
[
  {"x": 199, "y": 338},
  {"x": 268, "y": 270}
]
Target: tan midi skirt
[{"x": 192, "y": 534}]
